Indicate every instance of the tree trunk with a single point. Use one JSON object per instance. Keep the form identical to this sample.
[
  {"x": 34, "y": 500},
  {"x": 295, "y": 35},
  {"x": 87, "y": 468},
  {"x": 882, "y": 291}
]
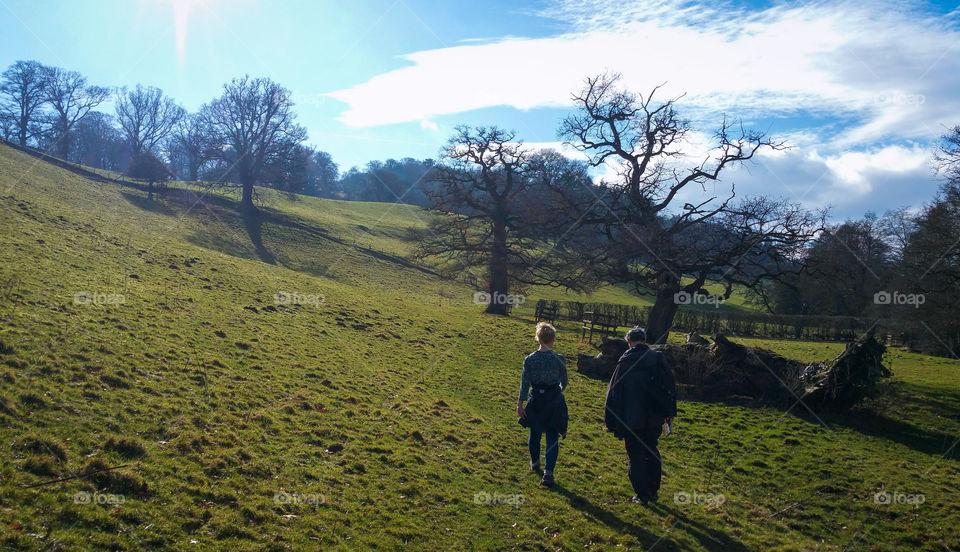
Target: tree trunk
[
  {"x": 63, "y": 145},
  {"x": 499, "y": 279},
  {"x": 661, "y": 314},
  {"x": 246, "y": 200}
]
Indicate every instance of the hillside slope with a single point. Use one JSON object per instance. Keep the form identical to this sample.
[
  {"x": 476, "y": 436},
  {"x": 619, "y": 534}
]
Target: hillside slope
[{"x": 374, "y": 409}]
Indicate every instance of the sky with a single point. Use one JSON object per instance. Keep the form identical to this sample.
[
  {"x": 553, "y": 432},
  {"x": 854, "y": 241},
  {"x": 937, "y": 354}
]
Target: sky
[{"x": 861, "y": 91}]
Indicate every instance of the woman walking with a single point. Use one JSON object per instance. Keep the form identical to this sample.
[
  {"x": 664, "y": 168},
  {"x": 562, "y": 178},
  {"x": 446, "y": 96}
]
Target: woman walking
[{"x": 541, "y": 384}]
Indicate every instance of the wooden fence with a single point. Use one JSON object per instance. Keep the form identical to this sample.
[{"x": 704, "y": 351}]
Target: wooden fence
[{"x": 744, "y": 324}]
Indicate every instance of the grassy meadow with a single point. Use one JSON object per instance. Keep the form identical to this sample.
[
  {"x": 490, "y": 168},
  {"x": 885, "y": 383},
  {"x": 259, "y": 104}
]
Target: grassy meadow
[{"x": 372, "y": 406}]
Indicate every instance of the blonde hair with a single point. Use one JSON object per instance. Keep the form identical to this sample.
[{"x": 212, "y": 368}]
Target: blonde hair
[{"x": 546, "y": 333}]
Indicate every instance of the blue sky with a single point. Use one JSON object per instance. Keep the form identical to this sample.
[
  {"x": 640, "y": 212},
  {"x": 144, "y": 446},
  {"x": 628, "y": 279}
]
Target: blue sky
[{"x": 861, "y": 90}]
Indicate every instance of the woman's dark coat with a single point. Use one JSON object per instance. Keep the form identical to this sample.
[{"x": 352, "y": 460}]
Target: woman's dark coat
[{"x": 546, "y": 410}]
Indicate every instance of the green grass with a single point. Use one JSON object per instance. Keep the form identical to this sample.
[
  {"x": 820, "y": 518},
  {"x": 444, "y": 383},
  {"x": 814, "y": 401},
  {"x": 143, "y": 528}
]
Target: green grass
[
  {"x": 624, "y": 294},
  {"x": 385, "y": 409}
]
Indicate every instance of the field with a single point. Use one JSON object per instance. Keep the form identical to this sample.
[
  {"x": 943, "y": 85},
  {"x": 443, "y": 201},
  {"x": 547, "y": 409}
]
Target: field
[{"x": 371, "y": 404}]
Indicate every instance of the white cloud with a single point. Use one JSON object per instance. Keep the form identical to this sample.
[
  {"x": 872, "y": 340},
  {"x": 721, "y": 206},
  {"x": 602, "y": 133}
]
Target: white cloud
[
  {"x": 429, "y": 125},
  {"x": 854, "y": 167},
  {"x": 873, "y": 82},
  {"x": 560, "y": 147},
  {"x": 891, "y": 69},
  {"x": 851, "y": 182}
]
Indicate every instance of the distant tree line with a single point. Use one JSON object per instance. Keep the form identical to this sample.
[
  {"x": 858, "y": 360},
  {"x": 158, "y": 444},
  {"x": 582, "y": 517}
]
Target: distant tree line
[
  {"x": 247, "y": 136},
  {"x": 903, "y": 265}
]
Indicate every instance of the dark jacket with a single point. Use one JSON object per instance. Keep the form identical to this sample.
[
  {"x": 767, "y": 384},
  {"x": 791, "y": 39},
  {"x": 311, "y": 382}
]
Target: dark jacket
[
  {"x": 641, "y": 392},
  {"x": 546, "y": 410}
]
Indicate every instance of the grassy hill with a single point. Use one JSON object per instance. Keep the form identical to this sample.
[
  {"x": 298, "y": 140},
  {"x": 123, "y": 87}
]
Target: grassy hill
[{"x": 376, "y": 408}]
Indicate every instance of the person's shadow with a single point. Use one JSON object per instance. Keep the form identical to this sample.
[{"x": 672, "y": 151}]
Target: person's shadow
[{"x": 710, "y": 539}]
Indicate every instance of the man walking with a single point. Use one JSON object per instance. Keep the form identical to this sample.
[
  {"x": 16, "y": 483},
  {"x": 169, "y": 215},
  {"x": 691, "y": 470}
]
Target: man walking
[{"x": 640, "y": 398}]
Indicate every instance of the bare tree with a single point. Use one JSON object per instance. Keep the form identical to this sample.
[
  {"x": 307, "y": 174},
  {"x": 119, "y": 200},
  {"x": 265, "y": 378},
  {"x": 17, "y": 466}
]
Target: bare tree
[
  {"x": 652, "y": 240},
  {"x": 22, "y": 88},
  {"x": 8, "y": 127},
  {"x": 71, "y": 99},
  {"x": 252, "y": 126},
  {"x": 324, "y": 173},
  {"x": 146, "y": 116},
  {"x": 97, "y": 143},
  {"x": 290, "y": 173},
  {"x": 189, "y": 145},
  {"x": 479, "y": 184},
  {"x": 947, "y": 156}
]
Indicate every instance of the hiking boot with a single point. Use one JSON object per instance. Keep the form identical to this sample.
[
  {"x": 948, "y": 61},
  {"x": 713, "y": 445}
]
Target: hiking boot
[
  {"x": 547, "y": 480},
  {"x": 535, "y": 468}
]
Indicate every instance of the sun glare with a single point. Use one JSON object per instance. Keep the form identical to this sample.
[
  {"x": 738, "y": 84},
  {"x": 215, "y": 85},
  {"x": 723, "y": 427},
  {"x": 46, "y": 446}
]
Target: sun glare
[{"x": 181, "y": 16}]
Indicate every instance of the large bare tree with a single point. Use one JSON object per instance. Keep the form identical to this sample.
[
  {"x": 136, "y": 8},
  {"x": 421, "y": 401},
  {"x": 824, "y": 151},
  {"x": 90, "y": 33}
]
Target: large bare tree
[
  {"x": 254, "y": 125},
  {"x": 664, "y": 245},
  {"x": 71, "y": 99},
  {"x": 146, "y": 116},
  {"x": 22, "y": 90},
  {"x": 481, "y": 186}
]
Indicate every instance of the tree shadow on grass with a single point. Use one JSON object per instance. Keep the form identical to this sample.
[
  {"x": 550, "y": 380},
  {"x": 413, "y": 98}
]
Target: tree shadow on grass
[
  {"x": 280, "y": 219},
  {"x": 154, "y": 206},
  {"x": 876, "y": 425},
  {"x": 253, "y": 223},
  {"x": 708, "y": 538},
  {"x": 265, "y": 222}
]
